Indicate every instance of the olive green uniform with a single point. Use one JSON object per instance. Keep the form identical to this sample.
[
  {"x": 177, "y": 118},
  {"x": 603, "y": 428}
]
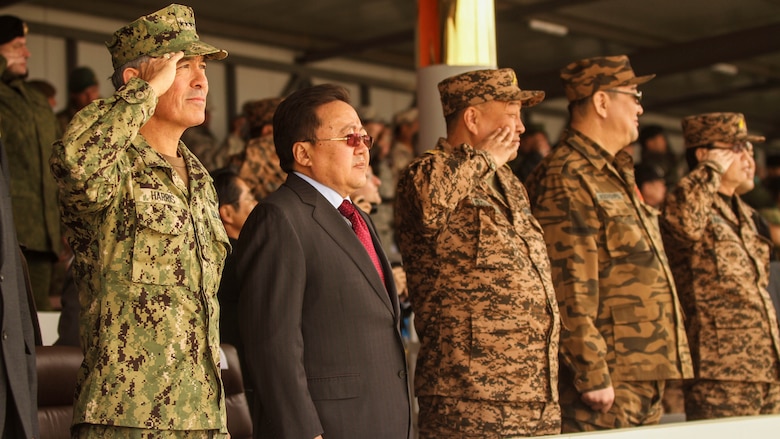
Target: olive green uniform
[{"x": 29, "y": 128}]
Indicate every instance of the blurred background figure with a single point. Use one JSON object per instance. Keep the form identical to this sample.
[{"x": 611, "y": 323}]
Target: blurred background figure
[
  {"x": 655, "y": 151},
  {"x": 367, "y": 197},
  {"x": 534, "y": 146},
  {"x": 260, "y": 168},
  {"x": 83, "y": 88},
  {"x": 406, "y": 126},
  {"x": 230, "y": 152},
  {"x": 388, "y": 158},
  {"x": 235, "y": 204},
  {"x": 29, "y": 129},
  {"x": 47, "y": 89},
  {"x": 651, "y": 184},
  {"x": 202, "y": 142}
]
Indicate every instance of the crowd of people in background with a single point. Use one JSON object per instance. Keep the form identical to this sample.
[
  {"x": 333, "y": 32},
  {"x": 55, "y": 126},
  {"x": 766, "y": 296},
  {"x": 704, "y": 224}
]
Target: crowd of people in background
[{"x": 587, "y": 282}]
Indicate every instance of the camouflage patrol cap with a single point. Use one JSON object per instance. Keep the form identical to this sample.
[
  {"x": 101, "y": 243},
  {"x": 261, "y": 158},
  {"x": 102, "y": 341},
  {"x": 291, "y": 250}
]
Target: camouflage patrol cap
[
  {"x": 261, "y": 112},
  {"x": 704, "y": 129},
  {"x": 171, "y": 29},
  {"x": 585, "y": 77},
  {"x": 479, "y": 86}
]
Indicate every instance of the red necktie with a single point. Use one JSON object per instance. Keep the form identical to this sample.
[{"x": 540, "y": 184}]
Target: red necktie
[{"x": 361, "y": 230}]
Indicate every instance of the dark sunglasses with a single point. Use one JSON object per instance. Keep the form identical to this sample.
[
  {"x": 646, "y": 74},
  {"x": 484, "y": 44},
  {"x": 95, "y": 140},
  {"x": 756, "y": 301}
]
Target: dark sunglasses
[{"x": 353, "y": 140}]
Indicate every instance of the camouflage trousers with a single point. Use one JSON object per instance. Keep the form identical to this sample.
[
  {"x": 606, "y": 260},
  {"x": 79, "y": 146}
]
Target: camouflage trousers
[
  {"x": 710, "y": 399},
  {"x": 94, "y": 431},
  {"x": 674, "y": 399},
  {"x": 443, "y": 418},
  {"x": 636, "y": 403}
]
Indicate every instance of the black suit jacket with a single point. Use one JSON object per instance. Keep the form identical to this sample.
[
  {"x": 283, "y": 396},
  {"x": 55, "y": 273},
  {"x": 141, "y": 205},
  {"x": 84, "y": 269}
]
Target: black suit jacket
[
  {"x": 320, "y": 330},
  {"x": 18, "y": 382}
]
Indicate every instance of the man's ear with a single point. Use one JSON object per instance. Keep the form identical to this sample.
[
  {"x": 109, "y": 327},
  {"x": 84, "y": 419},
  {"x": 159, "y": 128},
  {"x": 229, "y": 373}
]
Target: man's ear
[
  {"x": 301, "y": 154},
  {"x": 470, "y": 118},
  {"x": 130, "y": 73},
  {"x": 600, "y": 103},
  {"x": 701, "y": 154},
  {"x": 226, "y": 212}
]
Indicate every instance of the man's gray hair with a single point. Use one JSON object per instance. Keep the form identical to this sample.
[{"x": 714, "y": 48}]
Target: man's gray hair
[{"x": 117, "y": 78}]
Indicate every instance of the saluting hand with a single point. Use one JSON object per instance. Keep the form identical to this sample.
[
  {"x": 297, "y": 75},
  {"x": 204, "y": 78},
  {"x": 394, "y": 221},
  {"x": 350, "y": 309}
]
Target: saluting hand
[
  {"x": 500, "y": 144},
  {"x": 160, "y": 72},
  {"x": 722, "y": 156}
]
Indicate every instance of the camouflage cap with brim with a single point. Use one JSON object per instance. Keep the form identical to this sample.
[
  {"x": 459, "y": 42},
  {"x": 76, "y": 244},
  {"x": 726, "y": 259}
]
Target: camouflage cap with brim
[
  {"x": 585, "y": 77},
  {"x": 171, "y": 29},
  {"x": 704, "y": 129},
  {"x": 480, "y": 86}
]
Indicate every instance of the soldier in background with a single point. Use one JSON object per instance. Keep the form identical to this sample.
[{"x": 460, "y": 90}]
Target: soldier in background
[
  {"x": 477, "y": 272},
  {"x": 149, "y": 246},
  {"x": 83, "y": 88},
  {"x": 202, "y": 142},
  {"x": 720, "y": 263},
  {"x": 29, "y": 128},
  {"x": 260, "y": 168},
  {"x": 231, "y": 150},
  {"x": 623, "y": 334}
]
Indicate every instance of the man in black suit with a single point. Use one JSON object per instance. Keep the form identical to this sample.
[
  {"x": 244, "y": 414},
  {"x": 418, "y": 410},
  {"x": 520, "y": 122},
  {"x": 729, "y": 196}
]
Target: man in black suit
[
  {"x": 319, "y": 310},
  {"x": 18, "y": 383}
]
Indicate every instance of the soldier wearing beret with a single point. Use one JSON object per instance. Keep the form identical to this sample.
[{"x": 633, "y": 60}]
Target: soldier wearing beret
[
  {"x": 149, "y": 246},
  {"x": 477, "y": 272},
  {"x": 260, "y": 168},
  {"x": 623, "y": 334},
  {"x": 28, "y": 128},
  {"x": 720, "y": 262}
]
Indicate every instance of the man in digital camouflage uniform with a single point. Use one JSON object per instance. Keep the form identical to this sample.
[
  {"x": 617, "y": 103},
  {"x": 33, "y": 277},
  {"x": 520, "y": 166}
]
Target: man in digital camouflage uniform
[
  {"x": 720, "y": 263},
  {"x": 623, "y": 332},
  {"x": 29, "y": 128},
  {"x": 149, "y": 246},
  {"x": 260, "y": 168},
  {"x": 478, "y": 273}
]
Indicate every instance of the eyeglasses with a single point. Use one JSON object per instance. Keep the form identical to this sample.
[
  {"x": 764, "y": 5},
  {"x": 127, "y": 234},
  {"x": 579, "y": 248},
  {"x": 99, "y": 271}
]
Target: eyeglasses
[
  {"x": 352, "y": 139},
  {"x": 636, "y": 94},
  {"x": 736, "y": 148}
]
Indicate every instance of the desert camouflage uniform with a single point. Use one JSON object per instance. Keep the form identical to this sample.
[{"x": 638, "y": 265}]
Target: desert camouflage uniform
[
  {"x": 479, "y": 281},
  {"x": 621, "y": 318},
  {"x": 261, "y": 170},
  {"x": 148, "y": 258},
  {"x": 720, "y": 264}
]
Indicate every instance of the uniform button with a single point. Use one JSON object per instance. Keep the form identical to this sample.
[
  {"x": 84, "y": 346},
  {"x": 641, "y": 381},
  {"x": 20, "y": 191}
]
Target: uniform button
[
  {"x": 2, "y": 278},
  {"x": 5, "y": 335},
  {"x": 402, "y": 374},
  {"x": 140, "y": 95}
]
